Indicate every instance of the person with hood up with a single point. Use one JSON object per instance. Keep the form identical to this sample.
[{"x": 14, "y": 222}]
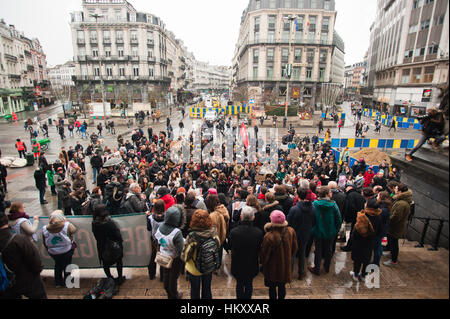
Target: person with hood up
[
  {"x": 277, "y": 250},
  {"x": 202, "y": 229},
  {"x": 20, "y": 223},
  {"x": 398, "y": 220},
  {"x": 328, "y": 223},
  {"x": 58, "y": 240},
  {"x": 134, "y": 202},
  {"x": 302, "y": 219},
  {"x": 367, "y": 228},
  {"x": 154, "y": 219},
  {"x": 104, "y": 230},
  {"x": 171, "y": 242},
  {"x": 163, "y": 193},
  {"x": 245, "y": 243},
  {"x": 368, "y": 176}
]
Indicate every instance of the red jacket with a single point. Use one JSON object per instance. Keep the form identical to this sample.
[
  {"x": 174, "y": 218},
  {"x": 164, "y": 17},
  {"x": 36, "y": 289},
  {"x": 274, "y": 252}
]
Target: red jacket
[{"x": 368, "y": 178}]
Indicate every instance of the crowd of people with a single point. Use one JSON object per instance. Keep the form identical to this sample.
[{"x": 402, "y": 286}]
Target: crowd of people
[{"x": 197, "y": 211}]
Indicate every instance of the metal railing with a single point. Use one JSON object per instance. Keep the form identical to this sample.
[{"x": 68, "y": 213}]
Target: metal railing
[{"x": 427, "y": 220}]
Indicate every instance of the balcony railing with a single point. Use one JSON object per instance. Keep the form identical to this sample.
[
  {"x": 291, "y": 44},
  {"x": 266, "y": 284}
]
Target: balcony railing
[
  {"x": 134, "y": 58},
  {"x": 151, "y": 59},
  {"x": 14, "y": 76},
  {"x": 81, "y": 41},
  {"x": 93, "y": 40},
  {"x": 119, "y": 41},
  {"x": 150, "y": 43},
  {"x": 106, "y": 41},
  {"x": 134, "y": 41},
  {"x": 30, "y": 67},
  {"x": 10, "y": 57}
]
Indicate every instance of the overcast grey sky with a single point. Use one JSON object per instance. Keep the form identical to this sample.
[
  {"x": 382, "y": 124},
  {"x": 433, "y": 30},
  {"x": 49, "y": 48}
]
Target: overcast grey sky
[{"x": 209, "y": 28}]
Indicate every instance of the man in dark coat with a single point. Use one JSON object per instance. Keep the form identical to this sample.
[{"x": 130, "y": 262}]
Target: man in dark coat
[
  {"x": 134, "y": 202},
  {"x": 354, "y": 203},
  {"x": 245, "y": 242},
  {"x": 22, "y": 258},
  {"x": 40, "y": 180},
  {"x": 282, "y": 196},
  {"x": 302, "y": 219}
]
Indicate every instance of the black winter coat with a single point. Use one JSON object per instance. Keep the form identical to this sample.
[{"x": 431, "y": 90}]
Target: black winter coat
[
  {"x": 354, "y": 203},
  {"x": 245, "y": 243},
  {"x": 339, "y": 197},
  {"x": 302, "y": 218},
  {"x": 39, "y": 178},
  {"x": 263, "y": 217},
  {"x": 362, "y": 247},
  {"x": 104, "y": 230},
  {"x": 286, "y": 202}
]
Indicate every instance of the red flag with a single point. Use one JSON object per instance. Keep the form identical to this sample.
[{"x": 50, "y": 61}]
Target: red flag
[{"x": 244, "y": 135}]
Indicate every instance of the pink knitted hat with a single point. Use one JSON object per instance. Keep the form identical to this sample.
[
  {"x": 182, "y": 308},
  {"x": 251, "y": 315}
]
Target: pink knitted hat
[{"x": 277, "y": 217}]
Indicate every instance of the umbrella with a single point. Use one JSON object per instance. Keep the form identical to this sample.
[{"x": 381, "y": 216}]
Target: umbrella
[{"x": 113, "y": 162}]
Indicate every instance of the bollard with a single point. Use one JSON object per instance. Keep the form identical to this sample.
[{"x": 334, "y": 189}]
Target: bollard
[
  {"x": 438, "y": 235},
  {"x": 424, "y": 232}
]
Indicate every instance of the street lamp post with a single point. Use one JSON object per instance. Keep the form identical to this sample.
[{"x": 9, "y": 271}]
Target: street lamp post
[{"x": 96, "y": 16}]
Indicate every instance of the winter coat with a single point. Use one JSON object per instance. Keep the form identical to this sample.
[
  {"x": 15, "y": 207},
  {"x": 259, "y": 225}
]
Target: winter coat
[
  {"x": 39, "y": 178},
  {"x": 339, "y": 197},
  {"x": 385, "y": 215},
  {"x": 362, "y": 247},
  {"x": 96, "y": 162},
  {"x": 221, "y": 218},
  {"x": 368, "y": 178},
  {"x": 169, "y": 201},
  {"x": 354, "y": 203},
  {"x": 50, "y": 177},
  {"x": 328, "y": 219},
  {"x": 399, "y": 214},
  {"x": 277, "y": 250},
  {"x": 245, "y": 243},
  {"x": 285, "y": 201},
  {"x": 263, "y": 217},
  {"x": 302, "y": 218},
  {"x": 22, "y": 257},
  {"x": 133, "y": 204},
  {"x": 64, "y": 196},
  {"x": 104, "y": 230}
]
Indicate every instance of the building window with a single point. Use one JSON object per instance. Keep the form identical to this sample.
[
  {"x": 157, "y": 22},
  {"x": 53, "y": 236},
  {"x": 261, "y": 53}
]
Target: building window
[
  {"x": 269, "y": 72},
  {"x": 425, "y": 24},
  {"x": 298, "y": 55},
  {"x": 413, "y": 28},
  {"x": 95, "y": 53},
  {"x": 258, "y": 4},
  {"x": 428, "y": 74},
  {"x": 310, "y": 56},
  {"x": 257, "y": 22},
  {"x": 325, "y": 24},
  {"x": 150, "y": 72},
  {"x": 109, "y": 71},
  {"x": 409, "y": 54},
  {"x": 314, "y": 4},
  {"x": 94, "y": 35},
  {"x": 272, "y": 22},
  {"x": 84, "y": 70},
  {"x": 256, "y": 37},
  {"x": 97, "y": 71},
  {"x": 119, "y": 35},
  {"x": 416, "y": 4},
  {"x": 255, "y": 55},
  {"x": 271, "y": 36},
  {"x": 405, "y": 76},
  {"x": 323, "y": 55},
  {"x": 326, "y": 5},
  {"x": 270, "y": 55},
  {"x": 272, "y": 4},
  {"x": 136, "y": 70},
  {"x": 80, "y": 35},
  {"x": 122, "y": 71},
  {"x": 308, "y": 73},
  {"x": 150, "y": 54},
  {"x": 118, "y": 15},
  {"x": 255, "y": 72},
  {"x": 324, "y": 37},
  {"x": 417, "y": 74},
  {"x": 433, "y": 49},
  {"x": 312, "y": 23},
  {"x": 108, "y": 53},
  {"x": 322, "y": 74},
  {"x": 120, "y": 51},
  {"x": 439, "y": 20},
  {"x": 428, "y": 2},
  {"x": 296, "y": 73},
  {"x": 284, "y": 55},
  {"x": 134, "y": 35},
  {"x": 134, "y": 52},
  {"x": 106, "y": 35}
]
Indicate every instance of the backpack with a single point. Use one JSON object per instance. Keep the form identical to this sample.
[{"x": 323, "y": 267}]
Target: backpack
[
  {"x": 104, "y": 289},
  {"x": 207, "y": 259},
  {"x": 363, "y": 225},
  {"x": 7, "y": 277}
]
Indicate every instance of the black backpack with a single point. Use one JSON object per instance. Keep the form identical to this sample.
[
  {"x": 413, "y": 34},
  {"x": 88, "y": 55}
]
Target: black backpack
[
  {"x": 105, "y": 288},
  {"x": 207, "y": 259}
]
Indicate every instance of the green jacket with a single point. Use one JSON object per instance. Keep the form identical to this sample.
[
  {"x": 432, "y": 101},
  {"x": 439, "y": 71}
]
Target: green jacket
[
  {"x": 399, "y": 214},
  {"x": 328, "y": 219},
  {"x": 50, "y": 175}
]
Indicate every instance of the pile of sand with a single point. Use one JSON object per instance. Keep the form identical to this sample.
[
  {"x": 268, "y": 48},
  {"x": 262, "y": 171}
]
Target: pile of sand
[{"x": 372, "y": 156}]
